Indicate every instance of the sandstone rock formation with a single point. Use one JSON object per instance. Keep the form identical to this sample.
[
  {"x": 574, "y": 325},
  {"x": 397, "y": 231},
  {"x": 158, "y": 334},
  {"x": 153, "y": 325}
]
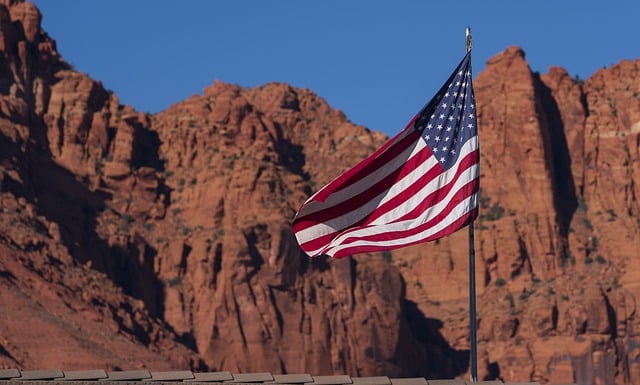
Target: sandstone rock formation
[
  {"x": 56, "y": 309},
  {"x": 557, "y": 236},
  {"x": 171, "y": 233},
  {"x": 164, "y": 241}
]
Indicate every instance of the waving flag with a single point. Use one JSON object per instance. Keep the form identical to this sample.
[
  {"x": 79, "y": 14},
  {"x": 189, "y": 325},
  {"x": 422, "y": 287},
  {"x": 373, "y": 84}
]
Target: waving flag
[{"x": 419, "y": 186}]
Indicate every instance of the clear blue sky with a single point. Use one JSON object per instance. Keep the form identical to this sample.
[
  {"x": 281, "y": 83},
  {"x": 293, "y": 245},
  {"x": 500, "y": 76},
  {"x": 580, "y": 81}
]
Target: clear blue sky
[{"x": 378, "y": 61}]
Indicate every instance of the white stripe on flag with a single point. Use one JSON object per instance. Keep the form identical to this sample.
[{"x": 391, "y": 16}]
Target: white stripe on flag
[
  {"x": 338, "y": 223},
  {"x": 461, "y": 209},
  {"x": 311, "y": 206}
]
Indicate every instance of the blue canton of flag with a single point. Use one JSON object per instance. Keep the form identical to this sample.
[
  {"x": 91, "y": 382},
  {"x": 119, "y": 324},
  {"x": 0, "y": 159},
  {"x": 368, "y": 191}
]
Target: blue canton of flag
[{"x": 449, "y": 120}]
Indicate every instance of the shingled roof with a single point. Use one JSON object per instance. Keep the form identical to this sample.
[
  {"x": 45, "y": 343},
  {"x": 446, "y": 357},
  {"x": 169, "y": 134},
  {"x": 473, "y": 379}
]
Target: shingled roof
[{"x": 91, "y": 377}]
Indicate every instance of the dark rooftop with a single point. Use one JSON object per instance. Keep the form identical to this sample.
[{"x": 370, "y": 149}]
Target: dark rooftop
[{"x": 90, "y": 377}]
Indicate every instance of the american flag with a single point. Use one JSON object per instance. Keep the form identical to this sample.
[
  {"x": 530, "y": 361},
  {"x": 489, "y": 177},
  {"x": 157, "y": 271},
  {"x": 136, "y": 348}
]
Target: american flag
[{"x": 419, "y": 186}]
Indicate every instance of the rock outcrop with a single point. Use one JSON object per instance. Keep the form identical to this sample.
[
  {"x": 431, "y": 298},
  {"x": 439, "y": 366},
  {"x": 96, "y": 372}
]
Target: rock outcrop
[
  {"x": 55, "y": 127},
  {"x": 172, "y": 232},
  {"x": 164, "y": 241},
  {"x": 557, "y": 236}
]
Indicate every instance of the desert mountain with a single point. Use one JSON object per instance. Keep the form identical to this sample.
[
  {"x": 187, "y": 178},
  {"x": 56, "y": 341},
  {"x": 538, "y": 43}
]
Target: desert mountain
[
  {"x": 173, "y": 230},
  {"x": 164, "y": 241}
]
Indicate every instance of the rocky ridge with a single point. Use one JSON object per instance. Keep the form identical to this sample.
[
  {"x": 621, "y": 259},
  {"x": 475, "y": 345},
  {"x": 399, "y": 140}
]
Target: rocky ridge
[
  {"x": 557, "y": 236},
  {"x": 173, "y": 230},
  {"x": 180, "y": 221}
]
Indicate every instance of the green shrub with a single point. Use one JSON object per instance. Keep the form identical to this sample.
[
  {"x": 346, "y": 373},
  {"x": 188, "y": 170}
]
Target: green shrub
[{"x": 495, "y": 212}]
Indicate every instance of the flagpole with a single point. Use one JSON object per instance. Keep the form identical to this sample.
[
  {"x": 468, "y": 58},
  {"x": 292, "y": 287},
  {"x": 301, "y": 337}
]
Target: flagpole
[{"x": 473, "y": 324}]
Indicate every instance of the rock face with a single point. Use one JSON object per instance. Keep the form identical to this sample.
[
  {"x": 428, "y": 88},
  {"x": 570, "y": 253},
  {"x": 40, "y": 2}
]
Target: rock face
[
  {"x": 235, "y": 284},
  {"x": 164, "y": 241},
  {"x": 55, "y": 127},
  {"x": 557, "y": 236}
]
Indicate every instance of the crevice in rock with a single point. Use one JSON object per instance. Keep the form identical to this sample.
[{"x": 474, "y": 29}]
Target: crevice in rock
[
  {"x": 493, "y": 372},
  {"x": 441, "y": 360},
  {"x": 523, "y": 262},
  {"x": 5, "y": 352},
  {"x": 557, "y": 161},
  {"x": 279, "y": 318},
  {"x": 290, "y": 155},
  {"x": 184, "y": 258},
  {"x": 611, "y": 317},
  {"x": 217, "y": 263},
  {"x": 256, "y": 258},
  {"x": 554, "y": 316}
]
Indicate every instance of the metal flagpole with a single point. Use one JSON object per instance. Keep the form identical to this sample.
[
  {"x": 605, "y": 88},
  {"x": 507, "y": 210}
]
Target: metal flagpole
[{"x": 473, "y": 351}]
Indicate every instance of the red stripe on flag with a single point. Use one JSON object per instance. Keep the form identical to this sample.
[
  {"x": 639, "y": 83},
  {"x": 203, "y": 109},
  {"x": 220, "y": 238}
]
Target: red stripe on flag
[
  {"x": 432, "y": 199},
  {"x": 388, "y": 151},
  {"x": 345, "y": 206},
  {"x": 465, "y": 192},
  {"x": 462, "y": 221}
]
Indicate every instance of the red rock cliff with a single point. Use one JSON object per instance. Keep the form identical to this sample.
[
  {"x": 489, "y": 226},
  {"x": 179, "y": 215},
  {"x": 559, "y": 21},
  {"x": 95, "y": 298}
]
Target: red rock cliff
[
  {"x": 174, "y": 230},
  {"x": 557, "y": 236},
  {"x": 164, "y": 241}
]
